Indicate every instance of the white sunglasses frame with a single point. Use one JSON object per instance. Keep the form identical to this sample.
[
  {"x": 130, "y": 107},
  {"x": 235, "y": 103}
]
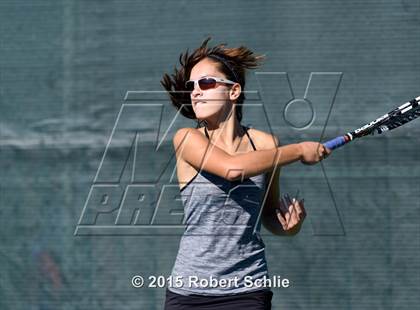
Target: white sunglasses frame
[{"x": 219, "y": 80}]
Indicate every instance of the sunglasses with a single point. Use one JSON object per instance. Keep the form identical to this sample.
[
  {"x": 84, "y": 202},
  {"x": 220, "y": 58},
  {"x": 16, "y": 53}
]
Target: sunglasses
[{"x": 206, "y": 83}]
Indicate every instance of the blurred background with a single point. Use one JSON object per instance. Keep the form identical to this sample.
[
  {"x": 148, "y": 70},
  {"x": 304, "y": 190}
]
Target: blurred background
[{"x": 69, "y": 68}]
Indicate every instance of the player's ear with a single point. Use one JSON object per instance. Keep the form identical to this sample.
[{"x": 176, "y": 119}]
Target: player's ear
[{"x": 235, "y": 91}]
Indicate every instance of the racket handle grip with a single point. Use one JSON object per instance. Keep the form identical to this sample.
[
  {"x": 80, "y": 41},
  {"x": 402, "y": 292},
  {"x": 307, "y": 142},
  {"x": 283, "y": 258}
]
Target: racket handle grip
[{"x": 336, "y": 142}]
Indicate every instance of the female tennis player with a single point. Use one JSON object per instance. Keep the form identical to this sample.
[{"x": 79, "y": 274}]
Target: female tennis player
[{"x": 229, "y": 179}]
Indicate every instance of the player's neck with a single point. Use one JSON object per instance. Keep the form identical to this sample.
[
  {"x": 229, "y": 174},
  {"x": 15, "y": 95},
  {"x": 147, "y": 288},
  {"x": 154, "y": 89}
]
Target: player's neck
[{"x": 227, "y": 132}]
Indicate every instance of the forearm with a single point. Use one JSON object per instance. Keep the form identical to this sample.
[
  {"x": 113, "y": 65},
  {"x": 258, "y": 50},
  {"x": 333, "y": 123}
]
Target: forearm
[
  {"x": 272, "y": 224},
  {"x": 257, "y": 162}
]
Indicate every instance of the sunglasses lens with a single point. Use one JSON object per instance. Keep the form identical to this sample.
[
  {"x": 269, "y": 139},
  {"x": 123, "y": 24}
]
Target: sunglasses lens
[
  {"x": 207, "y": 83},
  {"x": 204, "y": 84}
]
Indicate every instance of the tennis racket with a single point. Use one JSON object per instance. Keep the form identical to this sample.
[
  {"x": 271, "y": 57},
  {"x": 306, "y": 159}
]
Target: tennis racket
[{"x": 396, "y": 118}]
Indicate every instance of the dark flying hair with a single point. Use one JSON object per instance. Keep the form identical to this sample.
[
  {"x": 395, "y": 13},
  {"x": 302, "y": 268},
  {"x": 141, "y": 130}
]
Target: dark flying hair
[{"x": 232, "y": 62}]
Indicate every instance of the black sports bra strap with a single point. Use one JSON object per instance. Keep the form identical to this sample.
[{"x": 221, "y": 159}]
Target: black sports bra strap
[
  {"x": 246, "y": 131},
  {"x": 250, "y": 140}
]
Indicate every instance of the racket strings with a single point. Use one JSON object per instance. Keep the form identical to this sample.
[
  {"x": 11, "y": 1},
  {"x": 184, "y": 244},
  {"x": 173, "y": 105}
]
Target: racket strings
[{"x": 400, "y": 119}]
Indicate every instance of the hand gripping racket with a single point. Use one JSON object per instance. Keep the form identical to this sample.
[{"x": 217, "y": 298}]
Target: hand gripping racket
[{"x": 396, "y": 118}]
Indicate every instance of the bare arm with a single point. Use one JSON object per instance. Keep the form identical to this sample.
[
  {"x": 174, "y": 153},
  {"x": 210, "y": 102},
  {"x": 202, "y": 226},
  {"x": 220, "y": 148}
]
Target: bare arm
[
  {"x": 288, "y": 223},
  {"x": 257, "y": 162},
  {"x": 193, "y": 147},
  {"x": 268, "y": 213}
]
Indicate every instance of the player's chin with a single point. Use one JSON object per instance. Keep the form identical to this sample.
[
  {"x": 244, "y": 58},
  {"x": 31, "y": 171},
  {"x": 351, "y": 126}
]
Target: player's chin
[{"x": 206, "y": 113}]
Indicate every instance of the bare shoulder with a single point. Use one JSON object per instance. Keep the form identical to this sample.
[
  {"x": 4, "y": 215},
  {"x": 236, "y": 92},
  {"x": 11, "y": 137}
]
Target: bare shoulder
[
  {"x": 184, "y": 133},
  {"x": 263, "y": 140}
]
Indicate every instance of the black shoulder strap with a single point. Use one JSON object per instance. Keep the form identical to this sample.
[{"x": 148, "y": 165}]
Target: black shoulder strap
[{"x": 246, "y": 131}]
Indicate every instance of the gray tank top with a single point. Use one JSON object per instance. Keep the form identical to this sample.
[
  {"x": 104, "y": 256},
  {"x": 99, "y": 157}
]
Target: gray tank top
[{"x": 220, "y": 240}]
